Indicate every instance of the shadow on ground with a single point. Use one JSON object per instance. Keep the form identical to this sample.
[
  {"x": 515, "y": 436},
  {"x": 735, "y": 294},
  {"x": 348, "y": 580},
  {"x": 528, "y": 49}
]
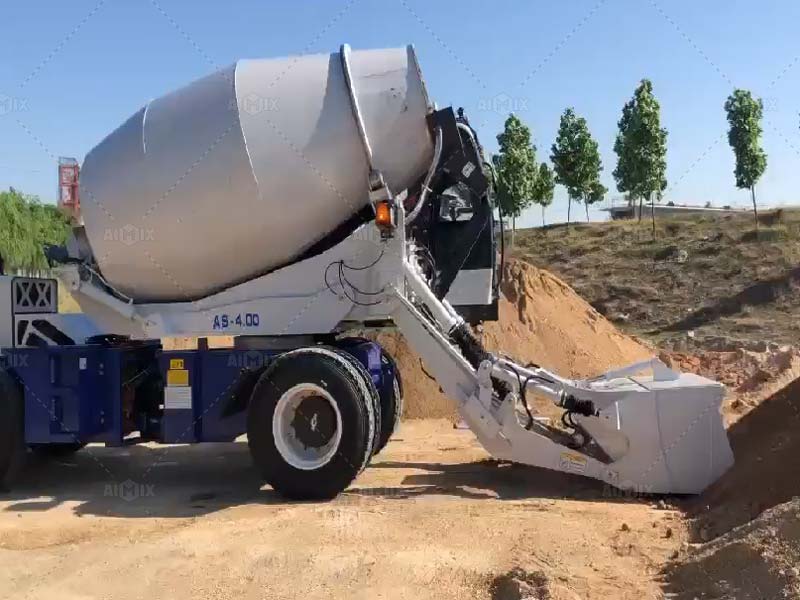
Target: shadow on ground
[
  {"x": 490, "y": 479},
  {"x": 142, "y": 481},
  {"x": 185, "y": 481}
]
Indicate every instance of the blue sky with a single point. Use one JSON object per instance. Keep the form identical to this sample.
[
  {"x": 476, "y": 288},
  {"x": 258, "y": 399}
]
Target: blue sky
[{"x": 72, "y": 71}]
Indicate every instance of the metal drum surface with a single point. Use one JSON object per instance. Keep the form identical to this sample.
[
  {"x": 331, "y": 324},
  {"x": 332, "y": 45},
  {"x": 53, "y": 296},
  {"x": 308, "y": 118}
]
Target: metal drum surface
[{"x": 243, "y": 170}]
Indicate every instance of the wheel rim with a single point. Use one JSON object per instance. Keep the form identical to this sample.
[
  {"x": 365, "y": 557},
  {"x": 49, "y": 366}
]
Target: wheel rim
[{"x": 307, "y": 426}]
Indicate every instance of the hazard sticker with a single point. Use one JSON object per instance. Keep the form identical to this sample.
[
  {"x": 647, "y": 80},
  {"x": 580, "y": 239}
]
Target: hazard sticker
[
  {"x": 177, "y": 377},
  {"x": 572, "y": 462},
  {"x": 177, "y": 398}
]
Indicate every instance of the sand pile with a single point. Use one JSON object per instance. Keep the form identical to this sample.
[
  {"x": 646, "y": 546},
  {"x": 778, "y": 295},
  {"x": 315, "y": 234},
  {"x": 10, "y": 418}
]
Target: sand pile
[
  {"x": 750, "y": 376},
  {"x": 750, "y": 518},
  {"x": 766, "y": 446},
  {"x": 758, "y": 560},
  {"x": 542, "y": 320}
]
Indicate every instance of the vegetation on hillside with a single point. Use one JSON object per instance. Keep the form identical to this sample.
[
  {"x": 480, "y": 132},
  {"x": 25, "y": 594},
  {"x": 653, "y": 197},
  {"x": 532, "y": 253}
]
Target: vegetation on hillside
[
  {"x": 515, "y": 165},
  {"x": 544, "y": 188},
  {"x": 26, "y": 226},
  {"x": 744, "y": 116},
  {"x": 711, "y": 276},
  {"x": 576, "y": 161},
  {"x": 641, "y": 147}
]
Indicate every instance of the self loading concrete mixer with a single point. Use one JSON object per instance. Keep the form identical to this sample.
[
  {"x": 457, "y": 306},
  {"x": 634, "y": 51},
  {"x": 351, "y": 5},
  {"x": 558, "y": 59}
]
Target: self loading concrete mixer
[{"x": 284, "y": 203}]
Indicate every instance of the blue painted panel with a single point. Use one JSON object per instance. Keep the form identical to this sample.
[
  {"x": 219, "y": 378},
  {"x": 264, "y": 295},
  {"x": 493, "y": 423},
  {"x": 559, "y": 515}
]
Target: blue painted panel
[
  {"x": 72, "y": 393},
  {"x": 225, "y": 373},
  {"x": 215, "y": 376}
]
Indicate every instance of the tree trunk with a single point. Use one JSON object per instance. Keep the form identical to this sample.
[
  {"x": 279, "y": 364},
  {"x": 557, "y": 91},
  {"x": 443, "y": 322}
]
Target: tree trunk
[
  {"x": 587, "y": 210},
  {"x": 543, "y": 223},
  {"x": 640, "y": 208},
  {"x": 513, "y": 229},
  {"x": 653, "y": 213},
  {"x": 755, "y": 208},
  {"x": 569, "y": 207}
]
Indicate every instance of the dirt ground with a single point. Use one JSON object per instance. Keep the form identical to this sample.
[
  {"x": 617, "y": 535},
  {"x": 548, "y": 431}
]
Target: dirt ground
[{"x": 430, "y": 518}]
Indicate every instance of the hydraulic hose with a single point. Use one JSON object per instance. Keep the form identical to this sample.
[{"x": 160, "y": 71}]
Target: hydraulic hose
[{"x": 437, "y": 154}]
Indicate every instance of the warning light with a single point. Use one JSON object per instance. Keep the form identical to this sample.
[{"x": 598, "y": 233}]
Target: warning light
[{"x": 384, "y": 215}]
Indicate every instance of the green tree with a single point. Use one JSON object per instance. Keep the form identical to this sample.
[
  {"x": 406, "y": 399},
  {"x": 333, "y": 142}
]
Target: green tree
[
  {"x": 516, "y": 170},
  {"x": 576, "y": 160},
  {"x": 641, "y": 148},
  {"x": 596, "y": 194},
  {"x": 744, "y": 116},
  {"x": 26, "y": 226},
  {"x": 544, "y": 188}
]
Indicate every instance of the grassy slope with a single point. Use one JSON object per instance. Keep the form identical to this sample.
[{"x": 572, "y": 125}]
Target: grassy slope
[{"x": 709, "y": 275}]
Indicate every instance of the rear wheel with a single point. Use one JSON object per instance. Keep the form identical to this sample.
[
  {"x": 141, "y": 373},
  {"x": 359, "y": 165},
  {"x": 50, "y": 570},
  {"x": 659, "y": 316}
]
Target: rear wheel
[
  {"x": 311, "y": 423},
  {"x": 372, "y": 392},
  {"x": 12, "y": 430}
]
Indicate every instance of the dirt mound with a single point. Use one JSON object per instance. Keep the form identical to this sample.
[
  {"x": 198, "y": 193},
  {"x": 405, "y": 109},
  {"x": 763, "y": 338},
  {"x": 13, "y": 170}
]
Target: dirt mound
[
  {"x": 748, "y": 517},
  {"x": 750, "y": 376},
  {"x": 542, "y": 320},
  {"x": 766, "y": 446},
  {"x": 754, "y": 561},
  {"x": 518, "y": 584}
]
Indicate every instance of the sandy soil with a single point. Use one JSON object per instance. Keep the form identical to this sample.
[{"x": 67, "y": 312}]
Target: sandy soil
[
  {"x": 431, "y": 518},
  {"x": 542, "y": 320}
]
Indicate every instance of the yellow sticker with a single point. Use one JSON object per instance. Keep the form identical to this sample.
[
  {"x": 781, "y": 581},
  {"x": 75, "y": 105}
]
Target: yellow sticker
[
  {"x": 176, "y": 363},
  {"x": 572, "y": 461},
  {"x": 178, "y": 377}
]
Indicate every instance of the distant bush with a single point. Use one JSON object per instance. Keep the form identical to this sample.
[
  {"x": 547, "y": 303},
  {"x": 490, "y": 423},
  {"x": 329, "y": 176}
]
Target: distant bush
[{"x": 26, "y": 226}]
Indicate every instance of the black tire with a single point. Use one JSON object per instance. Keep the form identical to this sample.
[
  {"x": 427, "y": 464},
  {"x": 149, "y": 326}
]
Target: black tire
[
  {"x": 391, "y": 405},
  {"x": 333, "y": 372},
  {"x": 56, "y": 450},
  {"x": 12, "y": 430},
  {"x": 375, "y": 397}
]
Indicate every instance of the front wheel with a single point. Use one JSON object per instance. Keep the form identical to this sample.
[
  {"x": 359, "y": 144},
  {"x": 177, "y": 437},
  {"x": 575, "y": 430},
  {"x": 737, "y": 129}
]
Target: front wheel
[{"x": 311, "y": 423}]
